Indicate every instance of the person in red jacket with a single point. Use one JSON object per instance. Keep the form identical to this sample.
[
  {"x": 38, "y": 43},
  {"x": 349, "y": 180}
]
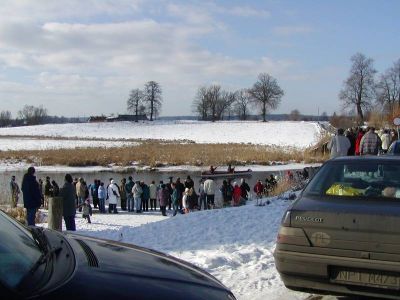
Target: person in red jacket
[
  {"x": 360, "y": 134},
  {"x": 258, "y": 189},
  {"x": 237, "y": 193}
]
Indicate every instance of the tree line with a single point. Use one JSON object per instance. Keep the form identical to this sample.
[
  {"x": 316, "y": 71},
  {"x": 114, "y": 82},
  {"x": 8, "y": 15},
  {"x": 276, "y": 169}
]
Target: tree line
[
  {"x": 214, "y": 103},
  {"x": 364, "y": 92},
  {"x": 28, "y": 115}
]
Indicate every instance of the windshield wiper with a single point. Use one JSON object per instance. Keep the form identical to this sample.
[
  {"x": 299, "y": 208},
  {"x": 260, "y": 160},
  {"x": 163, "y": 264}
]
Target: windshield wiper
[{"x": 47, "y": 252}]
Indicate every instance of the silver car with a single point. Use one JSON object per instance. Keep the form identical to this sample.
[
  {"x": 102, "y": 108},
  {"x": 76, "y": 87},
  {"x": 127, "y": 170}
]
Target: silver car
[{"x": 342, "y": 235}]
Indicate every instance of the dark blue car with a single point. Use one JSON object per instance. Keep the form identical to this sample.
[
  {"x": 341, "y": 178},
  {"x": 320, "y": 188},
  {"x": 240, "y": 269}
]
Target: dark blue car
[{"x": 37, "y": 263}]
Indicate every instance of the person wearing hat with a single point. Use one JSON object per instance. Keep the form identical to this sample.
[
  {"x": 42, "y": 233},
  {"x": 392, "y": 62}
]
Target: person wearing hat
[{"x": 31, "y": 195}]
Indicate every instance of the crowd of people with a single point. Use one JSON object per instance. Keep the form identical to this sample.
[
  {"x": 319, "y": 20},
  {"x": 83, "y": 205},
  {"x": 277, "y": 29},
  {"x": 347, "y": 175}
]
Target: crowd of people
[
  {"x": 360, "y": 141},
  {"x": 131, "y": 196}
]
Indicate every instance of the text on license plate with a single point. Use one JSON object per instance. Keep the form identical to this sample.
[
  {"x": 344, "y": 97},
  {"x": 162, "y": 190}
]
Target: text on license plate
[{"x": 366, "y": 278}]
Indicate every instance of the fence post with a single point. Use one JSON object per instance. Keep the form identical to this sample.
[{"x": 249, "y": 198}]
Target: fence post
[{"x": 55, "y": 213}]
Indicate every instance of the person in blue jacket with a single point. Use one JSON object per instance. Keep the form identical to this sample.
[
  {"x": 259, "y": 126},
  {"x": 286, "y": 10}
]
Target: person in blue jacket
[{"x": 31, "y": 195}]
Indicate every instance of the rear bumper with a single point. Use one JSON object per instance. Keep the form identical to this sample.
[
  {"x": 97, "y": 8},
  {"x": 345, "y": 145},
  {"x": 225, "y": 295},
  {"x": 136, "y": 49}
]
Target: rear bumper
[{"x": 310, "y": 273}]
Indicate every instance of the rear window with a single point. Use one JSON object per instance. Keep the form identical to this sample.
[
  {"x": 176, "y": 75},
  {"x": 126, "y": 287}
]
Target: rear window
[{"x": 357, "y": 179}]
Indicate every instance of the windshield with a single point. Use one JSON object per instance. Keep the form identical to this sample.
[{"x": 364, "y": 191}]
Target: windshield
[
  {"x": 357, "y": 179},
  {"x": 18, "y": 251}
]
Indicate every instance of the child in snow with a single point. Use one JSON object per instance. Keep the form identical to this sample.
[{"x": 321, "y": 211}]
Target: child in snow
[{"x": 87, "y": 210}]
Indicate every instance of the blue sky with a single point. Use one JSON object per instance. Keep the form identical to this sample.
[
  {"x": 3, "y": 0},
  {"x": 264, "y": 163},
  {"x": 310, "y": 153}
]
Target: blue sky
[{"x": 79, "y": 58}]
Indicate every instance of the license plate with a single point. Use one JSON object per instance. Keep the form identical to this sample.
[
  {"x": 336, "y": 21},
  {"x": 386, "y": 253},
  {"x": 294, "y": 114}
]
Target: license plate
[{"x": 371, "y": 278}]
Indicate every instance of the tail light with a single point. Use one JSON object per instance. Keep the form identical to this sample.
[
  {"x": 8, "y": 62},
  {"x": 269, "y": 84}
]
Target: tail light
[
  {"x": 286, "y": 219},
  {"x": 291, "y": 235}
]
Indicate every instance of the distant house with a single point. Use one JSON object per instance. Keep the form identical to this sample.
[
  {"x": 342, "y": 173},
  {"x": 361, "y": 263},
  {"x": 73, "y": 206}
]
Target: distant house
[
  {"x": 131, "y": 118},
  {"x": 94, "y": 119}
]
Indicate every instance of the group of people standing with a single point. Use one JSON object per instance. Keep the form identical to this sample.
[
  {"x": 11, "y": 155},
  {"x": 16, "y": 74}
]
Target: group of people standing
[
  {"x": 132, "y": 196},
  {"x": 361, "y": 142}
]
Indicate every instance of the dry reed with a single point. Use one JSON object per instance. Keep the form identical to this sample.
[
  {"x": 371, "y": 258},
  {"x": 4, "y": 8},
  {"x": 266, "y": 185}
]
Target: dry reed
[{"x": 157, "y": 154}]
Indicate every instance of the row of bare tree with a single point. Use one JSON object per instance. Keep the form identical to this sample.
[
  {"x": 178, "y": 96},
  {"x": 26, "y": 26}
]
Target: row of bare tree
[
  {"x": 29, "y": 114},
  {"x": 213, "y": 103},
  {"x": 362, "y": 90},
  {"x": 146, "y": 101}
]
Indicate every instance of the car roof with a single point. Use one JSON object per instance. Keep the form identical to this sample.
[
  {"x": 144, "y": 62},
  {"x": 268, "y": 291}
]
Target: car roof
[{"x": 370, "y": 158}]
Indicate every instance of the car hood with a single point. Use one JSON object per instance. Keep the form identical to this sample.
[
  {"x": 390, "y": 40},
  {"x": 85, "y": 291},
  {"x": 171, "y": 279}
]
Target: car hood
[{"x": 123, "y": 270}]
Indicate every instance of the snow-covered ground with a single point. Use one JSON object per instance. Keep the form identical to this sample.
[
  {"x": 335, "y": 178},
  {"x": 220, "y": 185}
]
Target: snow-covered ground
[
  {"x": 279, "y": 133},
  {"x": 234, "y": 244},
  {"x": 19, "y": 143}
]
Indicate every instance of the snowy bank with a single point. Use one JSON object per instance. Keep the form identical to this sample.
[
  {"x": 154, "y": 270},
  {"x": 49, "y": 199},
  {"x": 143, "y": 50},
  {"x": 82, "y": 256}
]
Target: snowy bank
[
  {"x": 282, "y": 134},
  {"x": 234, "y": 244}
]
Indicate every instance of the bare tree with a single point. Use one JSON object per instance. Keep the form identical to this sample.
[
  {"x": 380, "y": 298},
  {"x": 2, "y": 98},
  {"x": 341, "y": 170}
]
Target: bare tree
[
  {"x": 388, "y": 87},
  {"x": 33, "y": 115},
  {"x": 225, "y": 103},
  {"x": 359, "y": 87},
  {"x": 214, "y": 94},
  {"x": 266, "y": 93},
  {"x": 242, "y": 104},
  {"x": 201, "y": 103},
  {"x": 5, "y": 118},
  {"x": 135, "y": 102},
  {"x": 294, "y": 115},
  {"x": 152, "y": 96}
]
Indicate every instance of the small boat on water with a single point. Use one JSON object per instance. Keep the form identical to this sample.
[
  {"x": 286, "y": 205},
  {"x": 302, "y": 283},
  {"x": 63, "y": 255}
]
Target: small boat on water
[{"x": 246, "y": 173}]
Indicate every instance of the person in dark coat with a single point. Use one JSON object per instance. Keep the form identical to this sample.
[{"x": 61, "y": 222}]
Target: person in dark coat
[
  {"x": 122, "y": 192},
  {"x": 245, "y": 189},
  {"x": 31, "y": 195},
  {"x": 170, "y": 190},
  {"x": 189, "y": 183},
  {"x": 56, "y": 188},
  {"x": 145, "y": 196},
  {"x": 163, "y": 196},
  {"x": 180, "y": 188},
  {"x": 68, "y": 193},
  {"x": 350, "y": 135}
]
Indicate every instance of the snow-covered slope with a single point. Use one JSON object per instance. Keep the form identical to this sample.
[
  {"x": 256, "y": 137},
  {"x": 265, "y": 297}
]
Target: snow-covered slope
[
  {"x": 284, "y": 133},
  {"x": 234, "y": 244}
]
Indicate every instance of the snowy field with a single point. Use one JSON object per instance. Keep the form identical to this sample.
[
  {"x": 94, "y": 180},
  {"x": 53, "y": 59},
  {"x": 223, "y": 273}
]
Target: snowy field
[
  {"x": 234, "y": 244},
  {"x": 7, "y": 144},
  {"x": 281, "y": 134}
]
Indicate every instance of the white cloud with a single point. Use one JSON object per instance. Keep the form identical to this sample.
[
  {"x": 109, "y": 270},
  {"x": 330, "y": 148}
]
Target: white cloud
[
  {"x": 247, "y": 11},
  {"x": 83, "y": 62},
  {"x": 292, "y": 30}
]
